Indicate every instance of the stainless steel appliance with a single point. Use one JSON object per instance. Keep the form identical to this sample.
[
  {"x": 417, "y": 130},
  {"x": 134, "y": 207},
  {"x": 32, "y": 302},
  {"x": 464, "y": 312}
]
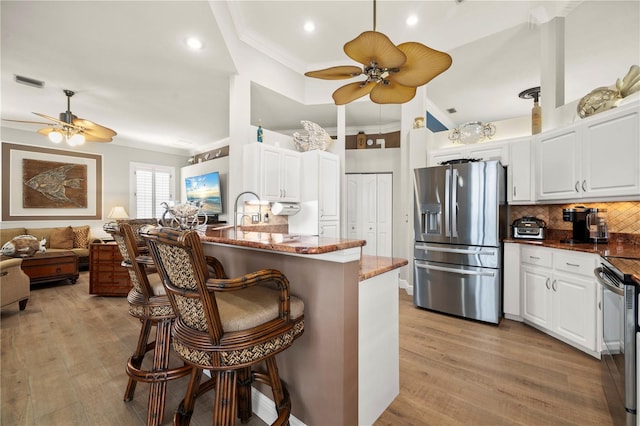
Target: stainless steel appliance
[
  {"x": 460, "y": 221},
  {"x": 529, "y": 227},
  {"x": 619, "y": 346}
]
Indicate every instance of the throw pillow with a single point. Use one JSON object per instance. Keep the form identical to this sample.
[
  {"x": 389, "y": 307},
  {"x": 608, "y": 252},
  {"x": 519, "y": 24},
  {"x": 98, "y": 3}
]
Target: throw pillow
[
  {"x": 81, "y": 236},
  {"x": 61, "y": 238},
  {"x": 23, "y": 246}
]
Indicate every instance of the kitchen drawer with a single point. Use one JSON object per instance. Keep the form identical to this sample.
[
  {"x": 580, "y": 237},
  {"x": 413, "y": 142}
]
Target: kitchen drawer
[
  {"x": 574, "y": 263},
  {"x": 536, "y": 256}
]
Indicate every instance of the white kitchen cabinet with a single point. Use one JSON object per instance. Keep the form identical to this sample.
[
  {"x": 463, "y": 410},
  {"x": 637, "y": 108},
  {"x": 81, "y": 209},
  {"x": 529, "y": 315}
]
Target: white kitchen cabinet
[
  {"x": 519, "y": 178},
  {"x": 558, "y": 164},
  {"x": 559, "y": 295},
  {"x": 328, "y": 182},
  {"x": 481, "y": 151},
  {"x": 597, "y": 158},
  {"x": 611, "y": 154},
  {"x": 271, "y": 172},
  {"x": 320, "y": 195}
]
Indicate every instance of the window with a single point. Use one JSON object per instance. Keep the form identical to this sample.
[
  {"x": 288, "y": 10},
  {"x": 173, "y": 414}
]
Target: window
[{"x": 151, "y": 185}]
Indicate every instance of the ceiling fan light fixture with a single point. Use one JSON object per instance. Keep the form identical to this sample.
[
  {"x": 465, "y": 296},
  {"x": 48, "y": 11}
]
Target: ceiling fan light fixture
[
  {"x": 55, "y": 136},
  {"x": 76, "y": 139}
]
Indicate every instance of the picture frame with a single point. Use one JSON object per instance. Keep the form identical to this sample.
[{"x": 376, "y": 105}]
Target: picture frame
[{"x": 76, "y": 193}]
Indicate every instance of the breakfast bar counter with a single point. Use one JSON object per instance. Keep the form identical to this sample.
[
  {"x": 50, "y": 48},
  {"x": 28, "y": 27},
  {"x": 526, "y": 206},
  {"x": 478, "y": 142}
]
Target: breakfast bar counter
[{"x": 344, "y": 369}]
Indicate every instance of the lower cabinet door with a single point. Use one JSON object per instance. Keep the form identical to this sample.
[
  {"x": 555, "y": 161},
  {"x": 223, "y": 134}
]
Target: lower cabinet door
[
  {"x": 574, "y": 309},
  {"x": 536, "y": 294}
]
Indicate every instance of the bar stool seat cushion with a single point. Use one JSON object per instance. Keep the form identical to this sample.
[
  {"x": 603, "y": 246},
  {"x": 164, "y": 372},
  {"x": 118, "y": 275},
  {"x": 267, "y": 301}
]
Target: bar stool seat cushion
[
  {"x": 251, "y": 307},
  {"x": 156, "y": 285}
]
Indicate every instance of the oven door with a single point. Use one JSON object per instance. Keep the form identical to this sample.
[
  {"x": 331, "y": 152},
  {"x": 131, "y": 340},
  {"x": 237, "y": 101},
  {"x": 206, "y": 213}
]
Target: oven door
[{"x": 613, "y": 343}]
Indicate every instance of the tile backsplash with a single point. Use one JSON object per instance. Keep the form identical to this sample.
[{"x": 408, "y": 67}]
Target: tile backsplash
[{"x": 622, "y": 217}]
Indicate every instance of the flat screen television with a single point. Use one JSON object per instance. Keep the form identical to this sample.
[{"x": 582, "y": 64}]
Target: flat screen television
[{"x": 206, "y": 189}]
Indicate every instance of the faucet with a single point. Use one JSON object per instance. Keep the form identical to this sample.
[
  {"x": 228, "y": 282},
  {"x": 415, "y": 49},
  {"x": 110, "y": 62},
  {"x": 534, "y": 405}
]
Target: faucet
[{"x": 235, "y": 210}]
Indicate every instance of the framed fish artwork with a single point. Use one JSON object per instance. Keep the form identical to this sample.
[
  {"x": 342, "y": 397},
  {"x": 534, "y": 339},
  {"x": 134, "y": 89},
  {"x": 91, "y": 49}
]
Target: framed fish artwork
[{"x": 45, "y": 183}]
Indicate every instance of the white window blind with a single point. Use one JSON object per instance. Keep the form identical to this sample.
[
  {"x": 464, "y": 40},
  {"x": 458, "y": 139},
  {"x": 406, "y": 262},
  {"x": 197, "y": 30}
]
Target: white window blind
[{"x": 152, "y": 186}]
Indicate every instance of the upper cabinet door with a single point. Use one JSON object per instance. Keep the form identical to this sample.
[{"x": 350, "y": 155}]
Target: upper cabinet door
[
  {"x": 290, "y": 175},
  {"x": 270, "y": 176},
  {"x": 559, "y": 165},
  {"x": 519, "y": 172},
  {"x": 611, "y": 159},
  {"x": 329, "y": 186}
]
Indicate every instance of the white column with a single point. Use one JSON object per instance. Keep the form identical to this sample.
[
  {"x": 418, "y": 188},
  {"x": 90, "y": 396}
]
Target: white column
[{"x": 552, "y": 45}]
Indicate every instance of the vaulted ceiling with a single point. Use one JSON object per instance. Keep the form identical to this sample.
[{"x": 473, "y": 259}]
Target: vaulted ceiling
[{"x": 131, "y": 72}]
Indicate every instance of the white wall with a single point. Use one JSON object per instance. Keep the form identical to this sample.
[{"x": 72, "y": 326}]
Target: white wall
[{"x": 115, "y": 172}]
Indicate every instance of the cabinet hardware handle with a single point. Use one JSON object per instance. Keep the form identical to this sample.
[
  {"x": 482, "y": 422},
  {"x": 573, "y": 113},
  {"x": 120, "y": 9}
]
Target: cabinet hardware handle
[
  {"x": 555, "y": 285},
  {"x": 514, "y": 191},
  {"x": 534, "y": 257},
  {"x": 321, "y": 213},
  {"x": 584, "y": 185},
  {"x": 599, "y": 306},
  {"x": 546, "y": 283},
  {"x": 572, "y": 264},
  {"x": 576, "y": 186}
]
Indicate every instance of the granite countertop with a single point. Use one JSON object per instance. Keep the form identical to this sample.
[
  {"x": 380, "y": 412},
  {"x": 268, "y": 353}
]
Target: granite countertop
[
  {"x": 286, "y": 243},
  {"x": 370, "y": 266},
  {"x": 625, "y": 257}
]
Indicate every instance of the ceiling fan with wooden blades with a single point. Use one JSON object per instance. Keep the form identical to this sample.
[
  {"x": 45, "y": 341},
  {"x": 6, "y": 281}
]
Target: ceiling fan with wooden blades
[
  {"x": 72, "y": 129},
  {"x": 392, "y": 72}
]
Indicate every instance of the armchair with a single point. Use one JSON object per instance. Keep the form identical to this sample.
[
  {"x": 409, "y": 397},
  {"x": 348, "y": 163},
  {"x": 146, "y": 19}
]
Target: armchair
[{"x": 14, "y": 283}]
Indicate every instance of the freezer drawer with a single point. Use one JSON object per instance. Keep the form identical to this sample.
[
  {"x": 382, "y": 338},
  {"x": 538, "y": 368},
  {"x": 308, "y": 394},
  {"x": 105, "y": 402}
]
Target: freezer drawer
[
  {"x": 465, "y": 291},
  {"x": 487, "y": 257}
]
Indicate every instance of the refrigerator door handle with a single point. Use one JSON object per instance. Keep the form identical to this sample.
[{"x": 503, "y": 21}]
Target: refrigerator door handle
[
  {"x": 447, "y": 202},
  {"x": 458, "y": 251},
  {"x": 454, "y": 204},
  {"x": 456, "y": 271}
]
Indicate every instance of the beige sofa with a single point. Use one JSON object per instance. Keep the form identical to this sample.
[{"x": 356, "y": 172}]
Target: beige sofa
[
  {"x": 14, "y": 283},
  {"x": 74, "y": 238}
]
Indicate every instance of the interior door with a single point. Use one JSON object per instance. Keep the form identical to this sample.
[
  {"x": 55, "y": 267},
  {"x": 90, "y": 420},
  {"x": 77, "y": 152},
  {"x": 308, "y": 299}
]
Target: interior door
[
  {"x": 368, "y": 213},
  {"x": 384, "y": 219},
  {"x": 353, "y": 201}
]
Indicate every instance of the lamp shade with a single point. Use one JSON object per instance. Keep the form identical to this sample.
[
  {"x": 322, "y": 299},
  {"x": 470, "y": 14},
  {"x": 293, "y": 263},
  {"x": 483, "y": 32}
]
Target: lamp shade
[{"x": 118, "y": 212}]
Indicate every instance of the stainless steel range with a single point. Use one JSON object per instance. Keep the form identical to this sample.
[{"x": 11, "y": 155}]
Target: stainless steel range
[
  {"x": 460, "y": 222},
  {"x": 619, "y": 346}
]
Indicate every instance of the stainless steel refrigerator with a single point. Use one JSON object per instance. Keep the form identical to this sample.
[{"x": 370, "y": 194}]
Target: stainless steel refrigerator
[{"x": 460, "y": 221}]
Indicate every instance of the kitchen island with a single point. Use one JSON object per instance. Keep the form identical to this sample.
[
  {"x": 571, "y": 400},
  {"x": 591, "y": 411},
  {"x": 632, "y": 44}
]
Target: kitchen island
[{"x": 336, "y": 373}]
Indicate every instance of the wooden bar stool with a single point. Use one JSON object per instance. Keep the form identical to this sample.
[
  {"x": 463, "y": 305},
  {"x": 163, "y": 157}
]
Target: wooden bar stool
[
  {"x": 148, "y": 302},
  {"x": 227, "y": 326}
]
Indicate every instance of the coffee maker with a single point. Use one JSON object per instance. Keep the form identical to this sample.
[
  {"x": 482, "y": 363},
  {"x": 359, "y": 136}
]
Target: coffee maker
[
  {"x": 597, "y": 226},
  {"x": 578, "y": 216}
]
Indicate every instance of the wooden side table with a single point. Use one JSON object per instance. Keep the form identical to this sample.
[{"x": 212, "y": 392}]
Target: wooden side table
[
  {"x": 51, "y": 266},
  {"x": 107, "y": 276}
]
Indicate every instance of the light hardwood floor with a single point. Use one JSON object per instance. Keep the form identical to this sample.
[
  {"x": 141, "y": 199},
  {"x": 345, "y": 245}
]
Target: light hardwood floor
[{"x": 63, "y": 364}]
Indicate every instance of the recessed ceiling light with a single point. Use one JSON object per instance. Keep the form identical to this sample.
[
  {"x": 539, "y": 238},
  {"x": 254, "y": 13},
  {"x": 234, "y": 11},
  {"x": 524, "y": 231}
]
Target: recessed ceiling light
[
  {"x": 412, "y": 20},
  {"x": 309, "y": 26},
  {"x": 194, "y": 43}
]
